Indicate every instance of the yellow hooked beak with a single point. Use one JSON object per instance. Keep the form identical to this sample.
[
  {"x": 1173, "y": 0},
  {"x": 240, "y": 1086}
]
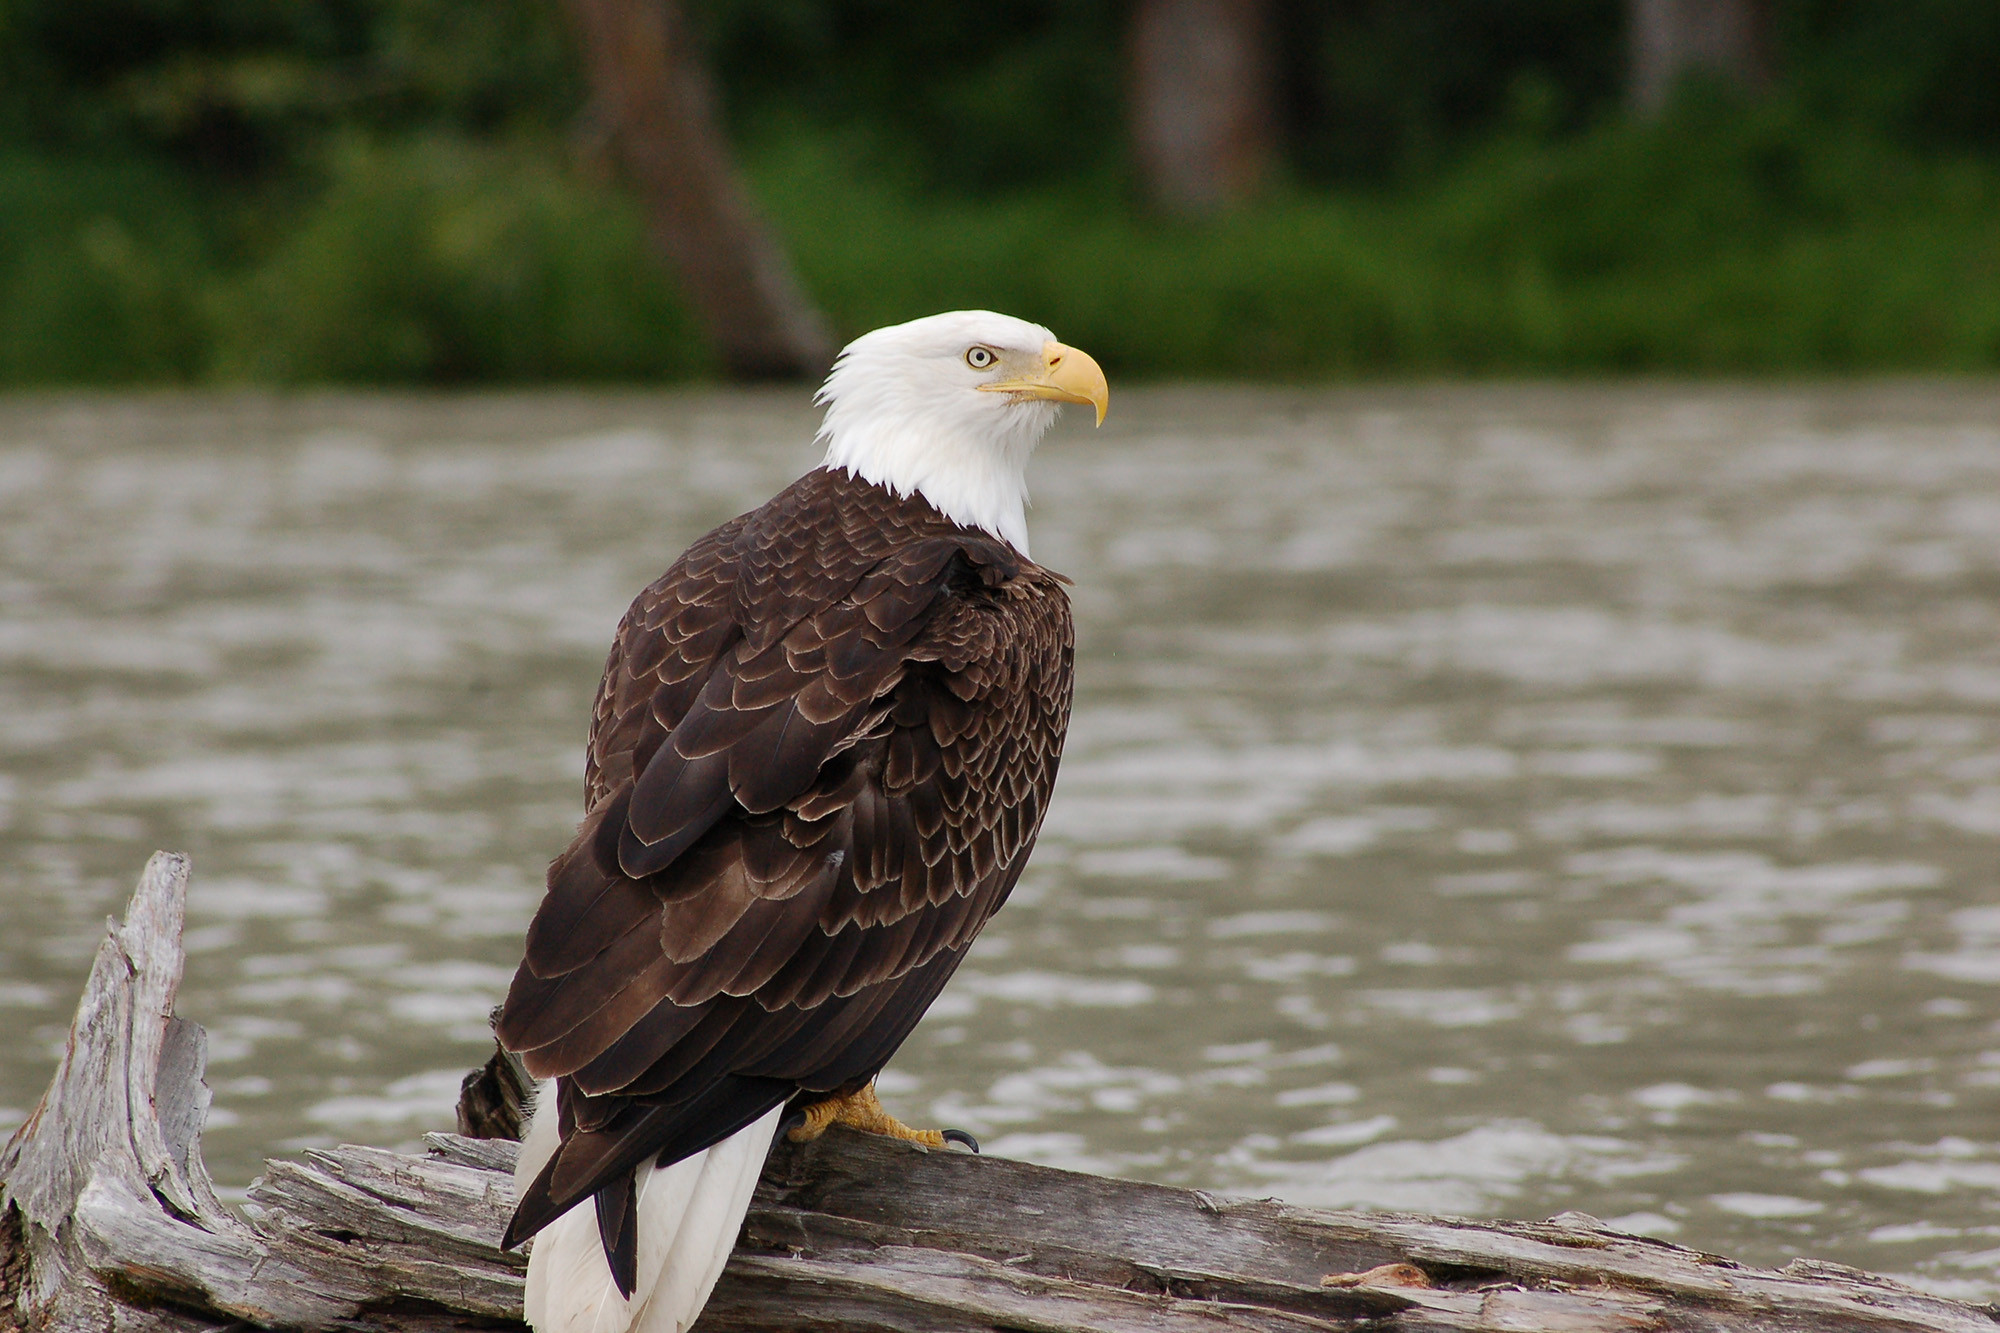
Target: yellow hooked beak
[{"x": 1066, "y": 375}]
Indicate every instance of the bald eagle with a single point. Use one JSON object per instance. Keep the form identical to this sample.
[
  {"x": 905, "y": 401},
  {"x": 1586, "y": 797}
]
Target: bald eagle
[{"x": 822, "y": 749}]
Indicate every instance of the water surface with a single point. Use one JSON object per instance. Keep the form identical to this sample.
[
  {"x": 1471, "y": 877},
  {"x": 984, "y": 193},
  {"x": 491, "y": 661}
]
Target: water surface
[{"x": 1490, "y": 801}]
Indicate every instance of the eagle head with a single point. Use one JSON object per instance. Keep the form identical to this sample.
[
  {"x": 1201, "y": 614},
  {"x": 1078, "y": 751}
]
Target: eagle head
[{"x": 950, "y": 407}]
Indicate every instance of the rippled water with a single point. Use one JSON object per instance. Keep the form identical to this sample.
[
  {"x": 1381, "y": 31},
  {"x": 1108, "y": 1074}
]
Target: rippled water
[{"x": 1480, "y": 800}]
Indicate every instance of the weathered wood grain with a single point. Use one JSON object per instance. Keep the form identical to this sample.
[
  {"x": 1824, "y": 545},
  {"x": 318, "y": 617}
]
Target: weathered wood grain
[
  {"x": 111, "y": 1225},
  {"x": 106, "y": 1174}
]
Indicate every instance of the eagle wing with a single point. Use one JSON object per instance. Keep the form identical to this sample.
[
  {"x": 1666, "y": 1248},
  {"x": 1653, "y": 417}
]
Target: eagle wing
[{"x": 819, "y": 758}]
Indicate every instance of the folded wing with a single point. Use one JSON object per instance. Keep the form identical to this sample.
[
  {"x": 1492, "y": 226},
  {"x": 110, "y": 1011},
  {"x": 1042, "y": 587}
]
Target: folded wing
[{"x": 818, "y": 761}]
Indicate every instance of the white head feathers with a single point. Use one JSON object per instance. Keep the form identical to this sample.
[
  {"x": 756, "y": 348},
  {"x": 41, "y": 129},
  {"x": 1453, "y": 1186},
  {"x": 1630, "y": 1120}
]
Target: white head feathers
[{"x": 950, "y": 407}]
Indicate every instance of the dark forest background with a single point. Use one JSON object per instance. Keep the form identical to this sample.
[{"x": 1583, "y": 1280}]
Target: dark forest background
[{"x": 431, "y": 191}]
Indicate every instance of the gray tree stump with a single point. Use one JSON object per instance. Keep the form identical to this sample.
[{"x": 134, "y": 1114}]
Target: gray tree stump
[{"x": 110, "y": 1222}]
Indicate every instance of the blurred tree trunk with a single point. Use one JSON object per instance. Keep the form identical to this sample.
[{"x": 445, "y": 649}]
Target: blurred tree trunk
[
  {"x": 1669, "y": 38},
  {"x": 653, "y": 98},
  {"x": 1201, "y": 101}
]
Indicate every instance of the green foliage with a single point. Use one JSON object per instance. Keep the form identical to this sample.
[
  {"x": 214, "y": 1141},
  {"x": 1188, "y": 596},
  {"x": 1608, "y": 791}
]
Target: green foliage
[
  {"x": 233, "y": 90},
  {"x": 964, "y": 98},
  {"x": 101, "y": 269},
  {"x": 1722, "y": 239},
  {"x": 1918, "y": 71},
  {"x": 1388, "y": 89},
  {"x": 1736, "y": 238},
  {"x": 1292, "y": 290},
  {"x": 380, "y": 190},
  {"x": 441, "y": 262},
  {"x": 432, "y": 262}
]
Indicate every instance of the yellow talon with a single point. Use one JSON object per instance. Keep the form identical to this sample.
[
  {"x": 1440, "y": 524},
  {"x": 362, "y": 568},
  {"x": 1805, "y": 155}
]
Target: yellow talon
[{"x": 859, "y": 1110}]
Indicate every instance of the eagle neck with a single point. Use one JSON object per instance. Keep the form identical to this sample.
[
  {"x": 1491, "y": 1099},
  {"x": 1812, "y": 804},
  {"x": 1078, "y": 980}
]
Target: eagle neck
[{"x": 975, "y": 479}]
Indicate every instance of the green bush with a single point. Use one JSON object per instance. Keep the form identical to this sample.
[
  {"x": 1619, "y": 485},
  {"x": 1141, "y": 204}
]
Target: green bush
[
  {"x": 441, "y": 262},
  {"x": 1722, "y": 239},
  {"x": 1726, "y": 238},
  {"x": 101, "y": 269}
]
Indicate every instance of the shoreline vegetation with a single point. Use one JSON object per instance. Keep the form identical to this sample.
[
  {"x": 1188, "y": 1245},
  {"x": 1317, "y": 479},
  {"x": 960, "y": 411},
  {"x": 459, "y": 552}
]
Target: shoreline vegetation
[
  {"x": 437, "y": 192},
  {"x": 1743, "y": 243}
]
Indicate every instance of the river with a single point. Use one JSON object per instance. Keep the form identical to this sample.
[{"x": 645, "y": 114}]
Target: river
[{"x": 1489, "y": 800}]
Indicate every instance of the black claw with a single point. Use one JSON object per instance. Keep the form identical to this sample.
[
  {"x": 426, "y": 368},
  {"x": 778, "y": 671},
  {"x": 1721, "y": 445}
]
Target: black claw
[
  {"x": 960, "y": 1136},
  {"x": 793, "y": 1120}
]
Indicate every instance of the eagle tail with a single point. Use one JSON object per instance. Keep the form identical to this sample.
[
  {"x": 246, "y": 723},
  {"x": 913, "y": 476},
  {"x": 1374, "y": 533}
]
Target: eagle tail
[{"x": 687, "y": 1216}]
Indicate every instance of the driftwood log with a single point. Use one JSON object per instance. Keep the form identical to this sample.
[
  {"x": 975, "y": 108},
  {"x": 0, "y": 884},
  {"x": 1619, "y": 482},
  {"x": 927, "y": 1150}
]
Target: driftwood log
[{"x": 110, "y": 1223}]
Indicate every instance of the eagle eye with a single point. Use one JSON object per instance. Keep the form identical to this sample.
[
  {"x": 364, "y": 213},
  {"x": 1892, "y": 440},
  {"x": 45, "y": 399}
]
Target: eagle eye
[{"x": 979, "y": 358}]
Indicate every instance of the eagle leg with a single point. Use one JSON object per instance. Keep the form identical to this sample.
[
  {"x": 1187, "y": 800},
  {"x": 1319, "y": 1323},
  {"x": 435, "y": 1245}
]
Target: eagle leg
[{"x": 860, "y": 1110}]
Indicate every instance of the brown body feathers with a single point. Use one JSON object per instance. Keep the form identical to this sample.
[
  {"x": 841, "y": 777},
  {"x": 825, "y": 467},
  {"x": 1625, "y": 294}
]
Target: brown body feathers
[{"x": 819, "y": 757}]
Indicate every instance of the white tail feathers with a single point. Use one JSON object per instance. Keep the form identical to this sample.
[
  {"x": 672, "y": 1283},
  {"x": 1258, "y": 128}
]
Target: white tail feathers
[{"x": 689, "y": 1215}]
